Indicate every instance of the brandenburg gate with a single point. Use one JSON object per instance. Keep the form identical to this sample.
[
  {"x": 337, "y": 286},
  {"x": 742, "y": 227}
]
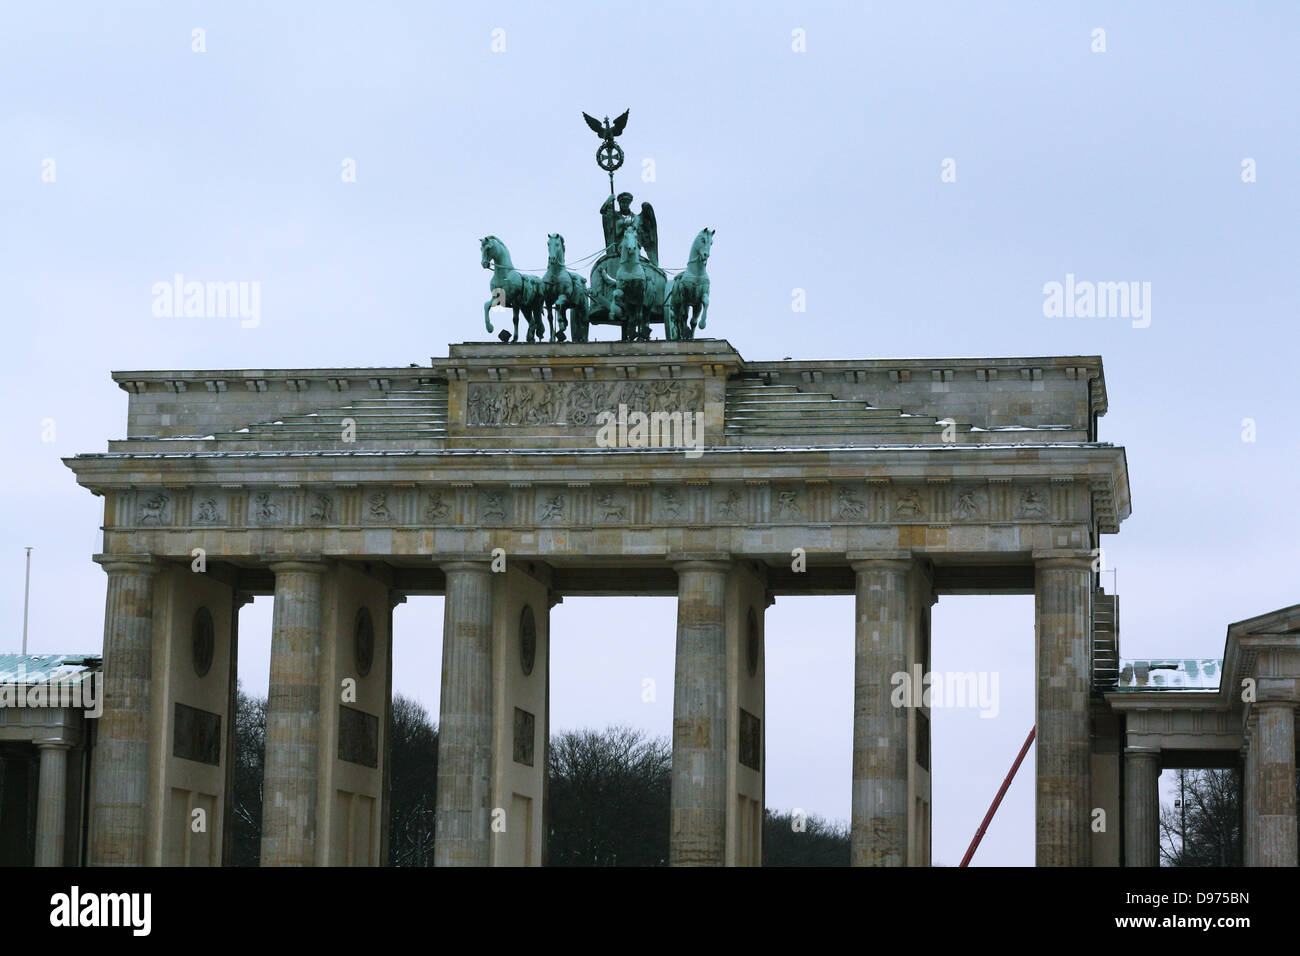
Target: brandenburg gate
[{"x": 506, "y": 476}]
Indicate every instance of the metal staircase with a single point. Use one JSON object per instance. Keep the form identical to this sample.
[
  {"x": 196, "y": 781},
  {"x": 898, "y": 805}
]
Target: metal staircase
[{"x": 1105, "y": 641}]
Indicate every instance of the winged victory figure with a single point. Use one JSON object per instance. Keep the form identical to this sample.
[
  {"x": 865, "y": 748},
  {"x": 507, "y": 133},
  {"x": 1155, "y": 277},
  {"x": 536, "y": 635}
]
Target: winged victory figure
[{"x": 614, "y": 221}]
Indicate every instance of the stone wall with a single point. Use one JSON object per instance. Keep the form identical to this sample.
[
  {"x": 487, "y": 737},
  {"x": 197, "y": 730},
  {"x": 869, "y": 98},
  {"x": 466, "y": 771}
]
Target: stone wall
[{"x": 549, "y": 395}]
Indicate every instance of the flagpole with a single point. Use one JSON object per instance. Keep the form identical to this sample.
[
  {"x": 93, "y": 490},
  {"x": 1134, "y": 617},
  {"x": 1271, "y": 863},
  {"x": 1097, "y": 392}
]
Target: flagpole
[{"x": 27, "y": 587}]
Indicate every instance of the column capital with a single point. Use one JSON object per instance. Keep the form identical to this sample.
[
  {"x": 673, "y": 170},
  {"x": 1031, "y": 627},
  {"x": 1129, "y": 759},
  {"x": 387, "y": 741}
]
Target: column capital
[
  {"x": 1264, "y": 703},
  {"x": 310, "y": 563},
  {"x": 1140, "y": 752},
  {"x": 880, "y": 560},
  {"x": 1063, "y": 559},
  {"x": 467, "y": 563},
  {"x": 129, "y": 563},
  {"x": 700, "y": 560}
]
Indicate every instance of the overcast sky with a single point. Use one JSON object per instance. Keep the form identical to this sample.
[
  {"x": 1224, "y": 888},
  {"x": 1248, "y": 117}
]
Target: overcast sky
[{"x": 820, "y": 170}]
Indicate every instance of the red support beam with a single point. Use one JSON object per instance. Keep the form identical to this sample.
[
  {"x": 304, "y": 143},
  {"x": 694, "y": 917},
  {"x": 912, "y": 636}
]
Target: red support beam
[{"x": 979, "y": 834}]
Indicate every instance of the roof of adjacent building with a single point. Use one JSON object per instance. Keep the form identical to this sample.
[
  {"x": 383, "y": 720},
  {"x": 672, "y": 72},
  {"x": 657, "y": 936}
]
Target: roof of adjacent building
[
  {"x": 29, "y": 669},
  {"x": 1170, "y": 674}
]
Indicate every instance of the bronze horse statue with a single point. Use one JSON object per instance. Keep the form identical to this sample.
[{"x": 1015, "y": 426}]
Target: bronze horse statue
[
  {"x": 564, "y": 292},
  {"x": 688, "y": 296},
  {"x": 511, "y": 289}
]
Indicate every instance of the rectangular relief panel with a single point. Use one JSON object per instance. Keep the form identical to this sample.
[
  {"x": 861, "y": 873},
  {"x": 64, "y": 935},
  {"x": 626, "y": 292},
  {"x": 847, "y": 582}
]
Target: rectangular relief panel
[
  {"x": 525, "y": 733},
  {"x": 751, "y": 740},
  {"x": 358, "y": 736},
  {"x": 197, "y": 735},
  {"x": 923, "y": 740}
]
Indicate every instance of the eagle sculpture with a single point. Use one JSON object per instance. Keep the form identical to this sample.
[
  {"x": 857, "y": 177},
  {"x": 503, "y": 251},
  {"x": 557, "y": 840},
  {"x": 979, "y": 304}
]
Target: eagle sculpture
[{"x": 607, "y": 131}]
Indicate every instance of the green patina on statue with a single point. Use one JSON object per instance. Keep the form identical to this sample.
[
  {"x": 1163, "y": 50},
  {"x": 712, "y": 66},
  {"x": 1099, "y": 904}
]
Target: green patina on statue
[
  {"x": 511, "y": 289},
  {"x": 564, "y": 292},
  {"x": 688, "y": 296},
  {"x": 628, "y": 286}
]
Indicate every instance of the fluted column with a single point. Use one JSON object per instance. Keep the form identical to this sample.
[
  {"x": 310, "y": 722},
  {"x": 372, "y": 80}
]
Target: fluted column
[
  {"x": 1275, "y": 782},
  {"x": 1239, "y": 776},
  {"x": 293, "y": 716},
  {"x": 1141, "y": 807},
  {"x": 698, "y": 835},
  {"x": 119, "y": 799},
  {"x": 1062, "y": 603},
  {"x": 51, "y": 802},
  {"x": 463, "y": 821},
  {"x": 878, "y": 834},
  {"x": 1250, "y": 792}
]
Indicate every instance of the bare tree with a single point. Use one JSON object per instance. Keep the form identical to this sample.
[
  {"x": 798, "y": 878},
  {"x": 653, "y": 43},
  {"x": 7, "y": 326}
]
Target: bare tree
[
  {"x": 250, "y": 761},
  {"x": 1206, "y": 829},
  {"x": 609, "y": 797},
  {"x": 799, "y": 839},
  {"x": 414, "y": 784}
]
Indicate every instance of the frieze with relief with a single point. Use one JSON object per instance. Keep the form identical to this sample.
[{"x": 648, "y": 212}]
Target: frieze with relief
[
  {"x": 209, "y": 509},
  {"x": 576, "y": 404},
  {"x": 615, "y": 504}
]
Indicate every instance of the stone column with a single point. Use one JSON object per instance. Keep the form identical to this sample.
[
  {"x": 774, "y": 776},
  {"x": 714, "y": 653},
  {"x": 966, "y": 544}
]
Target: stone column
[
  {"x": 1250, "y": 791},
  {"x": 1275, "y": 783},
  {"x": 1243, "y": 794},
  {"x": 879, "y": 826},
  {"x": 386, "y": 804},
  {"x": 119, "y": 799},
  {"x": 51, "y": 801},
  {"x": 1062, "y": 597},
  {"x": 463, "y": 821},
  {"x": 290, "y": 776},
  {"x": 1141, "y": 807},
  {"x": 699, "y": 782}
]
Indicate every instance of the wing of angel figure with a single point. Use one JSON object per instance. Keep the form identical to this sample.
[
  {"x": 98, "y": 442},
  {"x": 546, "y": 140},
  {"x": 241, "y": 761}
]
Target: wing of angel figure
[{"x": 649, "y": 229}]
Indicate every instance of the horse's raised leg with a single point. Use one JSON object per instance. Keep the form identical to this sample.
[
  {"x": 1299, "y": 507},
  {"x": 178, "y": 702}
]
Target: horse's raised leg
[
  {"x": 562, "y": 306},
  {"x": 704, "y": 313},
  {"x": 487, "y": 309}
]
